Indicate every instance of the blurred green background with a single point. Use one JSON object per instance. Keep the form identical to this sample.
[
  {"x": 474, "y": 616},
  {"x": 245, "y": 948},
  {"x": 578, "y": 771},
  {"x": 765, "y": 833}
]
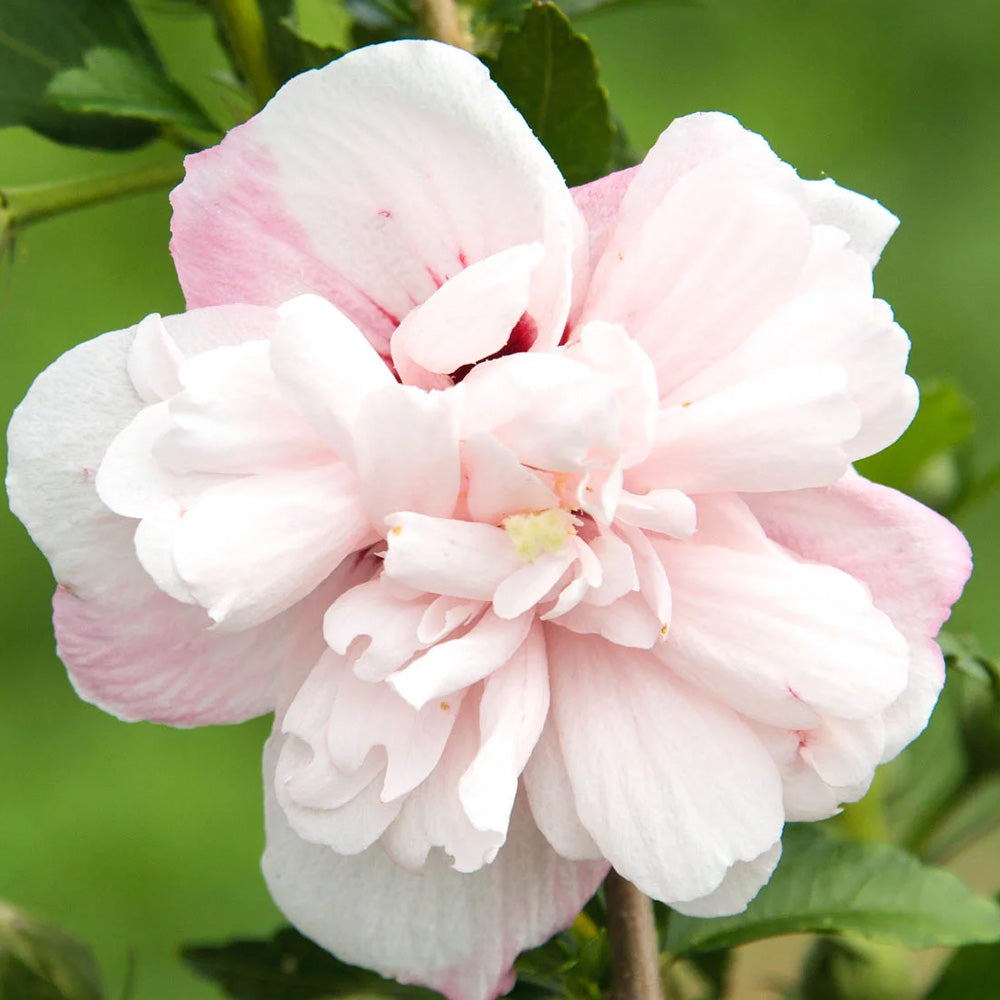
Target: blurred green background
[{"x": 139, "y": 837}]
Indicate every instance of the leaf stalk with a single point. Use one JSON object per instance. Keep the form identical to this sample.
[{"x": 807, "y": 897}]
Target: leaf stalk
[
  {"x": 245, "y": 29},
  {"x": 22, "y": 206}
]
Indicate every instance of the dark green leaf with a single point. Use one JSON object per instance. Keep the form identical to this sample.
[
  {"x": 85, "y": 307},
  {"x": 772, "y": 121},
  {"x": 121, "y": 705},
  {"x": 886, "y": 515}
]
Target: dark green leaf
[
  {"x": 311, "y": 55},
  {"x": 972, "y": 974},
  {"x": 512, "y": 11},
  {"x": 824, "y": 885},
  {"x": 38, "y": 38},
  {"x": 975, "y": 813},
  {"x": 943, "y": 422},
  {"x": 290, "y": 967},
  {"x": 851, "y": 968},
  {"x": 39, "y": 962},
  {"x": 550, "y": 75},
  {"x": 115, "y": 82}
]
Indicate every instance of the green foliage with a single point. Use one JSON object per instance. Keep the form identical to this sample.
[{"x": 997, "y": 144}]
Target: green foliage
[
  {"x": 550, "y": 75},
  {"x": 512, "y": 11},
  {"x": 39, "y": 39},
  {"x": 116, "y": 82},
  {"x": 853, "y": 968},
  {"x": 824, "y": 885},
  {"x": 972, "y": 974},
  {"x": 290, "y": 967},
  {"x": 913, "y": 464},
  {"x": 39, "y": 962}
]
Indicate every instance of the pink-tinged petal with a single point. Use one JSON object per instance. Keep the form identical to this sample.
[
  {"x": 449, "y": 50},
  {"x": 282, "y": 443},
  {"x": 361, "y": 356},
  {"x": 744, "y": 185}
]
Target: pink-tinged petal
[
  {"x": 231, "y": 417},
  {"x": 831, "y": 318},
  {"x": 780, "y": 640},
  {"x": 547, "y": 785},
  {"x": 444, "y": 615},
  {"x": 433, "y": 816},
  {"x": 131, "y": 482},
  {"x": 699, "y": 791},
  {"x": 385, "y": 624},
  {"x": 618, "y": 573},
  {"x": 456, "y": 663},
  {"x": 140, "y": 655},
  {"x": 653, "y": 582},
  {"x": 347, "y": 829},
  {"x": 783, "y": 430},
  {"x": 327, "y": 367},
  {"x": 530, "y": 584},
  {"x": 844, "y": 751},
  {"x": 742, "y": 882},
  {"x": 914, "y": 562},
  {"x": 153, "y": 361},
  {"x": 868, "y": 224},
  {"x": 457, "y": 558},
  {"x": 406, "y": 442},
  {"x": 628, "y": 622},
  {"x": 599, "y": 202},
  {"x": 725, "y": 520},
  {"x": 154, "y": 547},
  {"x": 469, "y": 318},
  {"x": 498, "y": 484},
  {"x": 691, "y": 274},
  {"x": 669, "y": 512},
  {"x": 358, "y": 728},
  {"x": 512, "y": 712},
  {"x": 371, "y": 182},
  {"x": 253, "y": 547},
  {"x": 369, "y": 911}
]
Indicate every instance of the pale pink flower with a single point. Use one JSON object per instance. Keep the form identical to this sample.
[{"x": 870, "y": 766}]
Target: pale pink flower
[{"x": 531, "y": 511}]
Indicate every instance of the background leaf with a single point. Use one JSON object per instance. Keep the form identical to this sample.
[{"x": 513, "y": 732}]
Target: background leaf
[
  {"x": 824, "y": 885},
  {"x": 290, "y": 967},
  {"x": 38, "y": 38},
  {"x": 118, "y": 83},
  {"x": 40, "y": 962},
  {"x": 972, "y": 974},
  {"x": 550, "y": 75}
]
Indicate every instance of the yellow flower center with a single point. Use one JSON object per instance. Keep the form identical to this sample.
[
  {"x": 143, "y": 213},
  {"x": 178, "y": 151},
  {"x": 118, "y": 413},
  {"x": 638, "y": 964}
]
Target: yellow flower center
[{"x": 533, "y": 534}]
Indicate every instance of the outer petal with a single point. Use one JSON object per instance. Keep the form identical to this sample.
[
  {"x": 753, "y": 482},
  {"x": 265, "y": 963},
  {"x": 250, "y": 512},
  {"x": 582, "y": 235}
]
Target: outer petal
[
  {"x": 742, "y": 882},
  {"x": 868, "y": 224},
  {"x": 780, "y": 640},
  {"x": 673, "y": 787},
  {"x": 456, "y": 933},
  {"x": 914, "y": 562},
  {"x": 138, "y": 654},
  {"x": 371, "y": 182},
  {"x": 129, "y": 648}
]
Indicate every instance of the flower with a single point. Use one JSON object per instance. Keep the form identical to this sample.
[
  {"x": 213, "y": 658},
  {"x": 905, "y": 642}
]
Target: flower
[{"x": 530, "y": 512}]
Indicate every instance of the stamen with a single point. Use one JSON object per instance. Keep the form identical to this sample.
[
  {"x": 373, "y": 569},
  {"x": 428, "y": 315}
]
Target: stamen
[{"x": 533, "y": 534}]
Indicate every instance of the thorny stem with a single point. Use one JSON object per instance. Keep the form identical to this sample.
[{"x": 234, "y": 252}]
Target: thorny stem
[
  {"x": 440, "y": 19},
  {"x": 245, "y": 30},
  {"x": 21, "y": 206},
  {"x": 632, "y": 935}
]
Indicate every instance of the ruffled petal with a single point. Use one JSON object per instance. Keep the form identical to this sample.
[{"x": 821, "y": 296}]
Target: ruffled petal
[
  {"x": 780, "y": 640},
  {"x": 742, "y": 882},
  {"x": 914, "y": 562},
  {"x": 673, "y": 787},
  {"x": 408, "y": 147},
  {"x": 456, "y": 933}
]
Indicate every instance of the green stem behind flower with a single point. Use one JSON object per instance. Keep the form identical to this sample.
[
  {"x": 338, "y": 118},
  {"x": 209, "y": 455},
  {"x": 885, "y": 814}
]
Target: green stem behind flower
[
  {"x": 865, "y": 819},
  {"x": 245, "y": 30},
  {"x": 21, "y": 206},
  {"x": 441, "y": 19},
  {"x": 634, "y": 944}
]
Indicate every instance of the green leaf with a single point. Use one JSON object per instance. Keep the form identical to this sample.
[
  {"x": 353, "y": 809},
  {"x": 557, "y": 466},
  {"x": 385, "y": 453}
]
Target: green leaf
[
  {"x": 290, "y": 967},
  {"x": 40, "y": 962},
  {"x": 39, "y": 38},
  {"x": 850, "y": 968},
  {"x": 972, "y": 974},
  {"x": 824, "y": 885},
  {"x": 550, "y": 75},
  {"x": 115, "y": 82},
  {"x": 512, "y": 11},
  {"x": 943, "y": 422}
]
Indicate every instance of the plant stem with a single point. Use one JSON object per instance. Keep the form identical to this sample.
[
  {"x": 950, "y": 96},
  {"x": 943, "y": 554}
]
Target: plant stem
[
  {"x": 21, "y": 206},
  {"x": 634, "y": 946},
  {"x": 440, "y": 19},
  {"x": 245, "y": 30}
]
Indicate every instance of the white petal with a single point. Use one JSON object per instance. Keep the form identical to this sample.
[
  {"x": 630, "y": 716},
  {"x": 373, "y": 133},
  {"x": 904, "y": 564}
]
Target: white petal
[
  {"x": 672, "y": 786},
  {"x": 742, "y": 882}
]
